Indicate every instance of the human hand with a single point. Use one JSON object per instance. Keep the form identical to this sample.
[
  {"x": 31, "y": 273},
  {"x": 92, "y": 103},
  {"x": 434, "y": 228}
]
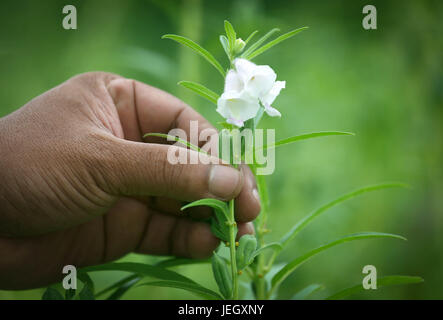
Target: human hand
[{"x": 79, "y": 187}]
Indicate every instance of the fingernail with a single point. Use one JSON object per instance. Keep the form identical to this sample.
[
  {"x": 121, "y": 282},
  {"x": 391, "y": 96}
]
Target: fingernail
[{"x": 224, "y": 182}]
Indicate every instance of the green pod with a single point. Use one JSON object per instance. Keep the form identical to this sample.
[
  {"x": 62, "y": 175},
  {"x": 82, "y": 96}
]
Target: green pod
[
  {"x": 222, "y": 275},
  {"x": 245, "y": 251}
]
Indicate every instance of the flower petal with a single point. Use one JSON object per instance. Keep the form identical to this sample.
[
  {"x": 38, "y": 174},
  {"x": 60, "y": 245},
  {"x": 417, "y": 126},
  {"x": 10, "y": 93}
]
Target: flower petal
[
  {"x": 233, "y": 82},
  {"x": 272, "y": 112},
  {"x": 274, "y": 92},
  {"x": 235, "y": 122}
]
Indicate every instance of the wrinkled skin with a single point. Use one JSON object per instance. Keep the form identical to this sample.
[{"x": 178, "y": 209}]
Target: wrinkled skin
[{"x": 80, "y": 186}]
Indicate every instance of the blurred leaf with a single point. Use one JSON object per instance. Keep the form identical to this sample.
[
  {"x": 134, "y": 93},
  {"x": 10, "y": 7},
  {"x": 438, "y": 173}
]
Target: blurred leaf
[
  {"x": 306, "y": 220},
  {"x": 86, "y": 279},
  {"x": 276, "y": 246},
  {"x": 259, "y": 42},
  {"x": 117, "y": 294},
  {"x": 173, "y": 138},
  {"x": 304, "y": 137},
  {"x": 173, "y": 262},
  {"x": 230, "y": 33},
  {"x": 274, "y": 42},
  {"x": 200, "y": 90},
  {"x": 191, "y": 287},
  {"x": 69, "y": 294},
  {"x": 86, "y": 293},
  {"x": 198, "y": 49},
  {"x": 141, "y": 269},
  {"x": 52, "y": 294},
  {"x": 307, "y": 292},
  {"x": 118, "y": 284},
  {"x": 250, "y": 37},
  {"x": 225, "y": 44},
  {"x": 294, "y": 264},
  {"x": 381, "y": 282}
]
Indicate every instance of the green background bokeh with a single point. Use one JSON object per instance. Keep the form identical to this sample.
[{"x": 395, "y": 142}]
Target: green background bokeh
[{"x": 386, "y": 85}]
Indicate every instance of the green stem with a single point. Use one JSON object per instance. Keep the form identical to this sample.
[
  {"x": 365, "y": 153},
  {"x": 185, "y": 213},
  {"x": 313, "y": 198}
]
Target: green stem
[
  {"x": 261, "y": 269},
  {"x": 232, "y": 235}
]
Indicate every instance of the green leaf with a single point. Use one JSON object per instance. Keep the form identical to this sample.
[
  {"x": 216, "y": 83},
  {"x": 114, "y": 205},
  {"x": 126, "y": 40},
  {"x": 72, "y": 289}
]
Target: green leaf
[
  {"x": 381, "y": 282},
  {"x": 140, "y": 269},
  {"x": 245, "y": 251},
  {"x": 219, "y": 224},
  {"x": 222, "y": 275},
  {"x": 250, "y": 37},
  {"x": 306, "y": 220},
  {"x": 173, "y": 262},
  {"x": 213, "y": 203},
  {"x": 198, "y": 49},
  {"x": 52, "y": 294},
  {"x": 230, "y": 33},
  {"x": 308, "y": 291},
  {"x": 259, "y": 42},
  {"x": 177, "y": 139},
  {"x": 117, "y": 294},
  {"x": 69, "y": 294},
  {"x": 86, "y": 293},
  {"x": 191, "y": 287},
  {"x": 294, "y": 264},
  {"x": 200, "y": 90},
  {"x": 225, "y": 44},
  {"x": 274, "y": 42},
  {"x": 86, "y": 279},
  {"x": 276, "y": 246},
  {"x": 304, "y": 137},
  {"x": 118, "y": 284}
]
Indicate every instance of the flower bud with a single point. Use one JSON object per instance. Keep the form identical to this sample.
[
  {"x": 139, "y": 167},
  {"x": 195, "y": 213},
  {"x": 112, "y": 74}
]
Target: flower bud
[{"x": 239, "y": 44}]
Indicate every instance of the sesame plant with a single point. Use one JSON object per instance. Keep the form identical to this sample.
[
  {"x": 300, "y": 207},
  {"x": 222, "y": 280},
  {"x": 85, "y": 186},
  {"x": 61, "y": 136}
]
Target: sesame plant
[{"x": 244, "y": 267}]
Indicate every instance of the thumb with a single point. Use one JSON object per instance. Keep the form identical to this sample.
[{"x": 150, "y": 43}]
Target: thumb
[{"x": 143, "y": 169}]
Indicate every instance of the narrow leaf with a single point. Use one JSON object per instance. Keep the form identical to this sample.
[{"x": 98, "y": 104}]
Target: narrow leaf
[
  {"x": 52, "y": 294},
  {"x": 191, "y": 287},
  {"x": 251, "y": 36},
  {"x": 276, "y": 246},
  {"x": 304, "y": 137},
  {"x": 198, "y": 49},
  {"x": 230, "y": 33},
  {"x": 87, "y": 281},
  {"x": 200, "y": 90},
  {"x": 225, "y": 44},
  {"x": 306, "y": 220},
  {"x": 274, "y": 42},
  {"x": 381, "y": 282},
  {"x": 117, "y": 294},
  {"x": 173, "y": 262},
  {"x": 118, "y": 284},
  {"x": 177, "y": 139},
  {"x": 141, "y": 269},
  {"x": 294, "y": 264},
  {"x": 308, "y": 291},
  {"x": 259, "y": 42},
  {"x": 213, "y": 203},
  {"x": 86, "y": 293}
]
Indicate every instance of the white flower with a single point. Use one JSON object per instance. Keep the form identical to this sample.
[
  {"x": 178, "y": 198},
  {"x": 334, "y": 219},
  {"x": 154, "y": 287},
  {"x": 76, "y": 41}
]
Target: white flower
[{"x": 246, "y": 87}]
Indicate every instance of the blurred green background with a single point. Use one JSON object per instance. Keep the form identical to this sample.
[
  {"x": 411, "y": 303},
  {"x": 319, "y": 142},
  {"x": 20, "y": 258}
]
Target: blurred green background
[{"x": 386, "y": 85}]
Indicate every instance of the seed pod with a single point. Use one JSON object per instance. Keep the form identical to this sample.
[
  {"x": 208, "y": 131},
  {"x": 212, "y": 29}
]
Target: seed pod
[
  {"x": 246, "y": 248},
  {"x": 222, "y": 275}
]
